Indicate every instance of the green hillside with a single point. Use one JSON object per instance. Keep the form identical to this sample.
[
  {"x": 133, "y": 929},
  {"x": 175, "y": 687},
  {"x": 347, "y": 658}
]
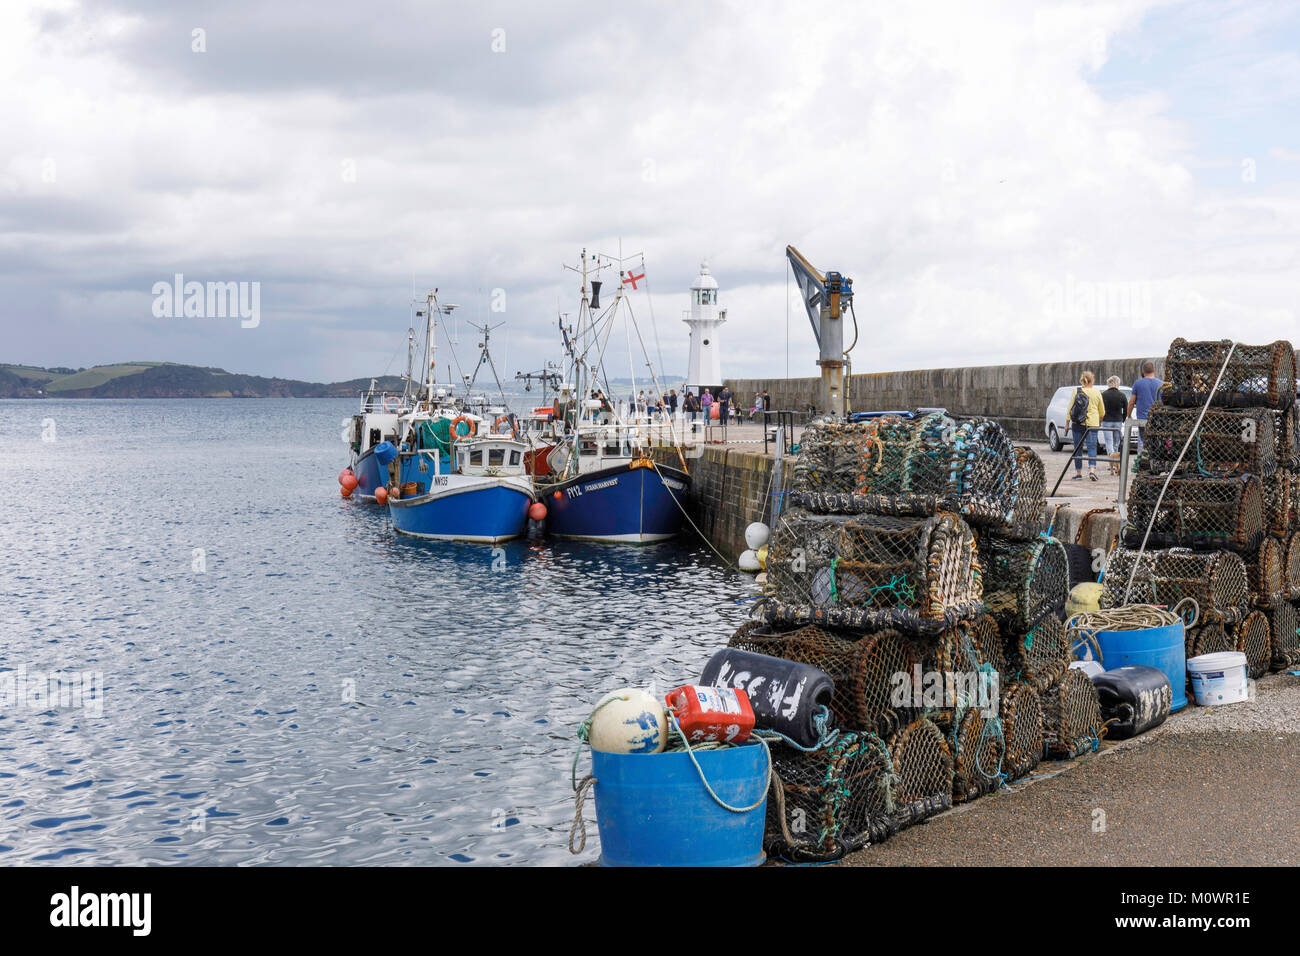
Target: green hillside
[
  {"x": 94, "y": 377},
  {"x": 30, "y": 373}
]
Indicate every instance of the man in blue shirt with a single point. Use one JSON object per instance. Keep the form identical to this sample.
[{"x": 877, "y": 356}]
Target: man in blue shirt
[{"x": 1146, "y": 392}]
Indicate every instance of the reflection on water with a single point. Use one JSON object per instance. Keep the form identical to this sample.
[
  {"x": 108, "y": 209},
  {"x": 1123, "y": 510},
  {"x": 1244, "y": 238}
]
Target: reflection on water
[{"x": 284, "y": 679}]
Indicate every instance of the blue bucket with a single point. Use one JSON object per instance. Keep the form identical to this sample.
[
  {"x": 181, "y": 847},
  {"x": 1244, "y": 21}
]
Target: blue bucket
[
  {"x": 384, "y": 453},
  {"x": 653, "y": 810},
  {"x": 1161, "y": 647}
]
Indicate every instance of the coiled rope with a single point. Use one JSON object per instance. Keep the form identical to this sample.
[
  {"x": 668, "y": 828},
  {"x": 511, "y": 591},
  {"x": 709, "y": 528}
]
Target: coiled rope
[{"x": 1083, "y": 627}]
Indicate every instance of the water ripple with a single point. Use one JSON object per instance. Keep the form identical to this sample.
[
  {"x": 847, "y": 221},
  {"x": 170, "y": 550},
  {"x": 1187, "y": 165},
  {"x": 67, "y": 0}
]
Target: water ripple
[{"x": 321, "y": 691}]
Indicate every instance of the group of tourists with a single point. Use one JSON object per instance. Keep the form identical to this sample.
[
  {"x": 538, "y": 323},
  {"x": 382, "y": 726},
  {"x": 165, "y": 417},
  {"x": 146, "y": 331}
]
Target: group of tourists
[
  {"x": 1094, "y": 412},
  {"x": 695, "y": 404}
]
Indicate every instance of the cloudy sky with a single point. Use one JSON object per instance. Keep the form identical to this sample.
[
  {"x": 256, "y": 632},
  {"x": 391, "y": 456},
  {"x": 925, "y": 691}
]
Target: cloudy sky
[{"x": 1004, "y": 182}]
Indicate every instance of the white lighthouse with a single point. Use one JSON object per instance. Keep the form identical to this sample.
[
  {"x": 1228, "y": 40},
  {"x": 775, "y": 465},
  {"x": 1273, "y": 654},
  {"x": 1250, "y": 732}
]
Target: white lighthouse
[{"x": 704, "y": 369}]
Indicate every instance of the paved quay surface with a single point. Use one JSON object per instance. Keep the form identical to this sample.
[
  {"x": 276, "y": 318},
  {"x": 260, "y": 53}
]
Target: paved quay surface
[{"x": 1212, "y": 786}]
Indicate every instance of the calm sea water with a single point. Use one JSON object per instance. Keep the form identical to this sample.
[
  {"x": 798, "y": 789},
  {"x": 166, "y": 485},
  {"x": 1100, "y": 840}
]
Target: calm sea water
[{"x": 284, "y": 680}]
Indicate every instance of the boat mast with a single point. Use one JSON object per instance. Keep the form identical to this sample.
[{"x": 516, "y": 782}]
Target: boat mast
[
  {"x": 410, "y": 358},
  {"x": 430, "y": 345}
]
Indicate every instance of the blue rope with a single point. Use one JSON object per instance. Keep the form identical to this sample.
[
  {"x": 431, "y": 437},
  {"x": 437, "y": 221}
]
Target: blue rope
[{"x": 825, "y": 736}]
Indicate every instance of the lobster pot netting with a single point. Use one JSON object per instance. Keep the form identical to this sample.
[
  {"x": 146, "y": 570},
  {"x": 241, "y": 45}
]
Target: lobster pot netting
[
  {"x": 1284, "y": 635},
  {"x": 978, "y": 751},
  {"x": 1210, "y": 638},
  {"x": 865, "y": 572},
  {"x": 1029, "y": 512},
  {"x": 1266, "y": 572},
  {"x": 1072, "y": 722},
  {"x": 1228, "y": 442},
  {"x": 1293, "y": 565},
  {"x": 952, "y": 677},
  {"x": 1040, "y": 657},
  {"x": 1196, "y": 512},
  {"x": 830, "y": 801},
  {"x": 1287, "y": 430},
  {"x": 923, "y": 768},
  {"x": 1024, "y": 581},
  {"x": 1254, "y": 639},
  {"x": 1022, "y": 729},
  {"x": 1216, "y": 580},
  {"x": 863, "y": 668},
  {"x": 988, "y": 642},
  {"x": 907, "y": 467},
  {"x": 1255, "y": 375},
  {"x": 1279, "y": 509}
]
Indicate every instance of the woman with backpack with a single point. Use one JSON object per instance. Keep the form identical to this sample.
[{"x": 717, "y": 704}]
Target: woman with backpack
[{"x": 1086, "y": 410}]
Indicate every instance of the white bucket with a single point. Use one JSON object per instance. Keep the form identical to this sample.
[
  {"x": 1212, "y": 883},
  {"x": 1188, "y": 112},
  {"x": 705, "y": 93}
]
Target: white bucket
[
  {"x": 1089, "y": 667},
  {"x": 1218, "y": 678}
]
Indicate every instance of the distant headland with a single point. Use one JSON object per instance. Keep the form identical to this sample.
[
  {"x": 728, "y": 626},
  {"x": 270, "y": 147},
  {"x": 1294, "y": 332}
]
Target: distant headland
[{"x": 168, "y": 380}]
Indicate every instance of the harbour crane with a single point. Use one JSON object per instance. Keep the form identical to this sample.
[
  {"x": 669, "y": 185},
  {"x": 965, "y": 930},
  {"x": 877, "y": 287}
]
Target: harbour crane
[{"x": 826, "y": 298}]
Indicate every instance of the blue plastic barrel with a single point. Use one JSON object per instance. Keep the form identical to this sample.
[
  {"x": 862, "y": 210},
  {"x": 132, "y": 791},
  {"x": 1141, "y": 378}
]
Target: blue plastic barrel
[
  {"x": 653, "y": 810},
  {"x": 1162, "y": 647},
  {"x": 384, "y": 453}
]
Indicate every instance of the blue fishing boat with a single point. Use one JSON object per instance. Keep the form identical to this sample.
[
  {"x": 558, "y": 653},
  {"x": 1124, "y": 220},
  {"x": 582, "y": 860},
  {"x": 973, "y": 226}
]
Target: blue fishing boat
[
  {"x": 631, "y": 502},
  {"x": 459, "y": 476},
  {"x": 373, "y": 430},
  {"x": 606, "y": 479},
  {"x": 478, "y": 492}
]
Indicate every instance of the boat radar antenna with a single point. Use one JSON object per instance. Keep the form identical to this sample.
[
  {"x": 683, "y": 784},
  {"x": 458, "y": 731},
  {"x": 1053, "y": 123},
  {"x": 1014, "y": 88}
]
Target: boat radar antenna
[{"x": 485, "y": 358}]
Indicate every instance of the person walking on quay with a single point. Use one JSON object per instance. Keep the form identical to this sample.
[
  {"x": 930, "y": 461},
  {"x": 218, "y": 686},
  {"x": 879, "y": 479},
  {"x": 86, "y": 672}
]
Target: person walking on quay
[
  {"x": 724, "y": 405},
  {"x": 1116, "y": 410},
  {"x": 706, "y": 404},
  {"x": 1146, "y": 392},
  {"x": 1086, "y": 410},
  {"x": 672, "y": 403}
]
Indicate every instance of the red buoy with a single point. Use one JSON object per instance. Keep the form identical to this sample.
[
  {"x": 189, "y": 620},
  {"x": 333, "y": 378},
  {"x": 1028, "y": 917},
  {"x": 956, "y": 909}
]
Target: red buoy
[
  {"x": 381, "y": 495},
  {"x": 345, "y": 491},
  {"x": 537, "y": 511},
  {"x": 349, "y": 481},
  {"x": 556, "y": 496},
  {"x": 344, "y": 472}
]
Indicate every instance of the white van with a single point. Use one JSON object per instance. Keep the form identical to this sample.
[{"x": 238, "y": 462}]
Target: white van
[{"x": 1056, "y": 425}]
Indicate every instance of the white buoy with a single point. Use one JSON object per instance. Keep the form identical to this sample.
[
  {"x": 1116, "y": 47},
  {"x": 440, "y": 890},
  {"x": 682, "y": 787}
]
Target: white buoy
[
  {"x": 629, "y": 721},
  {"x": 749, "y": 561},
  {"x": 756, "y": 535}
]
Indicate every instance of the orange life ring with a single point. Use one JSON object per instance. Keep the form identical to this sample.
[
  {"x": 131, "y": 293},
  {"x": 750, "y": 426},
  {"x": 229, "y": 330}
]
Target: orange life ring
[
  {"x": 473, "y": 428},
  {"x": 394, "y": 402}
]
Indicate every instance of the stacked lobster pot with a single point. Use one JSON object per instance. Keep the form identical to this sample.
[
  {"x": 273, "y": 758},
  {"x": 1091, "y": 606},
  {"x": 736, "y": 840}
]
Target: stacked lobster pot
[
  {"x": 896, "y": 534},
  {"x": 1045, "y": 710},
  {"x": 1214, "y": 502}
]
